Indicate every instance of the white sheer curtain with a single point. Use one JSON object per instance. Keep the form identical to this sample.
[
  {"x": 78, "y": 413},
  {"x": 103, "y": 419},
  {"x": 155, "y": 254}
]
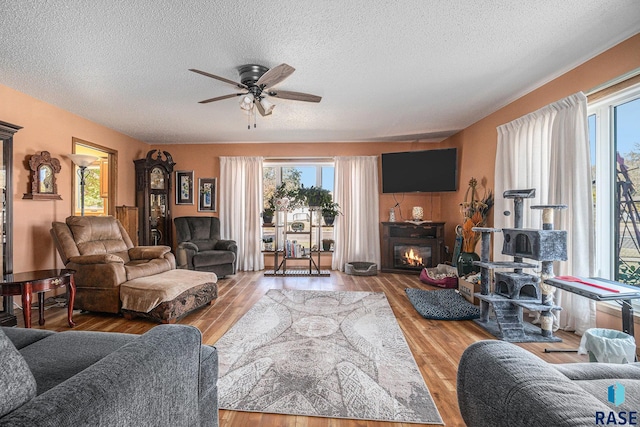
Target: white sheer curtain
[
  {"x": 240, "y": 207},
  {"x": 357, "y": 231},
  {"x": 549, "y": 150}
]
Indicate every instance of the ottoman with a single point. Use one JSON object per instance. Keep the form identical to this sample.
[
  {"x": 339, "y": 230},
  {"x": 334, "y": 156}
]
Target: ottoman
[{"x": 168, "y": 296}]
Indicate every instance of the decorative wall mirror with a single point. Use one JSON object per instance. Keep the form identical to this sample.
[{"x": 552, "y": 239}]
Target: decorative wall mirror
[{"x": 43, "y": 177}]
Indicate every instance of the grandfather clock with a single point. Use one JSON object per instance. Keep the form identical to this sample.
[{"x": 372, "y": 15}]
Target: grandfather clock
[
  {"x": 7, "y": 318},
  {"x": 153, "y": 198}
]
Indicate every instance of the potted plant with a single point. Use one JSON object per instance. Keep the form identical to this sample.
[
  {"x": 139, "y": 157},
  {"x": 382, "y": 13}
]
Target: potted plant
[
  {"x": 330, "y": 211},
  {"x": 326, "y": 244},
  {"x": 268, "y": 211},
  {"x": 314, "y": 196},
  {"x": 267, "y": 215},
  {"x": 285, "y": 196}
]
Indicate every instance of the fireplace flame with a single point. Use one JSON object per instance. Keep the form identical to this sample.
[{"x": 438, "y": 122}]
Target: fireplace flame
[{"x": 412, "y": 258}]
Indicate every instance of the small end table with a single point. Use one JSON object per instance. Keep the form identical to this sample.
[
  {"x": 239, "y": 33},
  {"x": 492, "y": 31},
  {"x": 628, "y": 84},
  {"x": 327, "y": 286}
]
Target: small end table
[{"x": 39, "y": 281}]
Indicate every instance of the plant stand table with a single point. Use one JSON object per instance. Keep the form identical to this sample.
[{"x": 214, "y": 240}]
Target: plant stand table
[{"x": 39, "y": 281}]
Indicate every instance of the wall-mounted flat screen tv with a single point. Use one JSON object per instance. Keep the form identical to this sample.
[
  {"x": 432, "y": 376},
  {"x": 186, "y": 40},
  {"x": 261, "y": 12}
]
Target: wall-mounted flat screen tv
[{"x": 420, "y": 171}]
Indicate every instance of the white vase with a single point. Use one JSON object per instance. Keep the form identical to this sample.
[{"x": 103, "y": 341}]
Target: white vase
[{"x": 417, "y": 213}]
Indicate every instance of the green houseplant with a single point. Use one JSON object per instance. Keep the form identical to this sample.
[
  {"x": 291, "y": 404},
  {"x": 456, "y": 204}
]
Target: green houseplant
[
  {"x": 330, "y": 211},
  {"x": 267, "y": 215},
  {"x": 287, "y": 196},
  {"x": 314, "y": 196}
]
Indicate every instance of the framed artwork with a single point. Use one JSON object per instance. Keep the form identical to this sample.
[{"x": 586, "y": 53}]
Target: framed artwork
[
  {"x": 207, "y": 194},
  {"x": 184, "y": 187}
]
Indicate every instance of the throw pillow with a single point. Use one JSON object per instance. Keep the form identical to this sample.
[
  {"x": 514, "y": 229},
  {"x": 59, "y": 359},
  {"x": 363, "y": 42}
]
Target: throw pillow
[{"x": 16, "y": 380}]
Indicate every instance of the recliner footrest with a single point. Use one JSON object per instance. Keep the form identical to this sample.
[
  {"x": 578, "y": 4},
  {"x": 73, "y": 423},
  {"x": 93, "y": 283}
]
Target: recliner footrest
[{"x": 167, "y": 296}]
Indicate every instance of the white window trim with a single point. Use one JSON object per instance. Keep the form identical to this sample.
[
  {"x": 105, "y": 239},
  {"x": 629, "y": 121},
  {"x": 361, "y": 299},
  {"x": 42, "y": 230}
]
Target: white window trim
[{"x": 605, "y": 176}]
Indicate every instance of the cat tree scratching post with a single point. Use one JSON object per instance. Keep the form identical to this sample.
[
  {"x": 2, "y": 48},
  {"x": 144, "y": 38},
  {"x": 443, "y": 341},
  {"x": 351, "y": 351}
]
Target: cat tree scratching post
[
  {"x": 547, "y": 318},
  {"x": 514, "y": 290}
]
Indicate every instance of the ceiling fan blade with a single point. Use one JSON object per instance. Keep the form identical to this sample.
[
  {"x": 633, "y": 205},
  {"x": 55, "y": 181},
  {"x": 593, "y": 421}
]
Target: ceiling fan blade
[
  {"x": 219, "y": 98},
  {"x": 275, "y": 75},
  {"x": 222, "y": 79},
  {"x": 296, "y": 96}
]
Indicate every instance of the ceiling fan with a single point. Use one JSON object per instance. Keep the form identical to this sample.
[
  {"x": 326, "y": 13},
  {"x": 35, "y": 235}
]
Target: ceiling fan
[{"x": 258, "y": 82}]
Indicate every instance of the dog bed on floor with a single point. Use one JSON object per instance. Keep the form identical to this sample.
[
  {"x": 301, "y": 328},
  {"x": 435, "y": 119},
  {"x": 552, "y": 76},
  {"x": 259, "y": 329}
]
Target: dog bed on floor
[
  {"x": 442, "y": 304},
  {"x": 360, "y": 268}
]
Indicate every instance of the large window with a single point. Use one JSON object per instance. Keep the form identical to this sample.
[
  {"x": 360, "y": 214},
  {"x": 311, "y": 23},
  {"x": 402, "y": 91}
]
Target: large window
[
  {"x": 295, "y": 173},
  {"x": 614, "y": 134}
]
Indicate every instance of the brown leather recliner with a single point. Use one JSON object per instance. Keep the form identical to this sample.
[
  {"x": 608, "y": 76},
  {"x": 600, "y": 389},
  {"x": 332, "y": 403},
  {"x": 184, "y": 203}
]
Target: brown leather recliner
[{"x": 103, "y": 256}]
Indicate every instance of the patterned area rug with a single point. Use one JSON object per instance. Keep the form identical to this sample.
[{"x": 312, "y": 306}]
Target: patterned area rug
[
  {"x": 322, "y": 353},
  {"x": 442, "y": 304}
]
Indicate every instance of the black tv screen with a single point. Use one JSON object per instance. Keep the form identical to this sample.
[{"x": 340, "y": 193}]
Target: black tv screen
[{"x": 420, "y": 171}]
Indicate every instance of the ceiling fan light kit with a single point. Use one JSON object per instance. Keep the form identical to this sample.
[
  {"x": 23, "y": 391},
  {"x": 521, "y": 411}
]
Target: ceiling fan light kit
[
  {"x": 246, "y": 102},
  {"x": 258, "y": 80},
  {"x": 267, "y": 106}
]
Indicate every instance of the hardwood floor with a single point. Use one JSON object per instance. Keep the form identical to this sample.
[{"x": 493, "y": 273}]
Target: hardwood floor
[{"x": 436, "y": 345}]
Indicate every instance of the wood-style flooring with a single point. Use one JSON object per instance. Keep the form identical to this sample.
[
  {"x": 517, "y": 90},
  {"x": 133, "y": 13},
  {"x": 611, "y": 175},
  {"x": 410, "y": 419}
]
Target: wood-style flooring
[{"x": 436, "y": 345}]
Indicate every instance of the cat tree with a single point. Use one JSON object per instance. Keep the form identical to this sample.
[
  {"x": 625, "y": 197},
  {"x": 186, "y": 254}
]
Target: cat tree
[{"x": 514, "y": 290}]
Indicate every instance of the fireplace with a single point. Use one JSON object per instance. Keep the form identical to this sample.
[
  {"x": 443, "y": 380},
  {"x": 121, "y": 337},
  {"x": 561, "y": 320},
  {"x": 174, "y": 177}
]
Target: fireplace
[
  {"x": 411, "y": 256},
  {"x": 408, "y": 248}
]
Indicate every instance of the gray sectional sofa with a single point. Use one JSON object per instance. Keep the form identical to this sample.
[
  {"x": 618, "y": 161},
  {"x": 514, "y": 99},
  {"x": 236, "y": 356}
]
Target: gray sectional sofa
[
  {"x": 164, "y": 377},
  {"x": 501, "y": 384}
]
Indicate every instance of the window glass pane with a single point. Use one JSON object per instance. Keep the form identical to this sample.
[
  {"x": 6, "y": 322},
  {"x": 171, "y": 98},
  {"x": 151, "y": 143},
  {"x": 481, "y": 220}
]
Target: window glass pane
[
  {"x": 307, "y": 175},
  {"x": 591, "y": 120},
  {"x": 291, "y": 177},
  {"x": 93, "y": 202},
  {"x": 592, "y": 144},
  {"x": 269, "y": 184},
  {"x": 295, "y": 176},
  {"x": 627, "y": 148},
  {"x": 327, "y": 178}
]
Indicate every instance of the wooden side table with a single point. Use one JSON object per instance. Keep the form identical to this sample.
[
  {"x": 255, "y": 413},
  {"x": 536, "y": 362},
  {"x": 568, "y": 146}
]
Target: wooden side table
[{"x": 39, "y": 281}]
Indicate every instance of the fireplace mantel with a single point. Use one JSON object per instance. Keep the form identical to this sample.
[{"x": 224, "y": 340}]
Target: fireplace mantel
[{"x": 429, "y": 236}]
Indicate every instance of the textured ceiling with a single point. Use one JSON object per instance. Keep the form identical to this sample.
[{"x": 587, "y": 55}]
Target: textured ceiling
[{"x": 384, "y": 68}]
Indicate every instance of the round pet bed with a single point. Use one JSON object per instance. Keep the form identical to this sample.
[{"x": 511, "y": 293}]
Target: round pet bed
[{"x": 358, "y": 268}]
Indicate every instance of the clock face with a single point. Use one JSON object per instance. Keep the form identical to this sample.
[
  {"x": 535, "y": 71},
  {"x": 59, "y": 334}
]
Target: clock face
[
  {"x": 45, "y": 177},
  {"x": 157, "y": 179}
]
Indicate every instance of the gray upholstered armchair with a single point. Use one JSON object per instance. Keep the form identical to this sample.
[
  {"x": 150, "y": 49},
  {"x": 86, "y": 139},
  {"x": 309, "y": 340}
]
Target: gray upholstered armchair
[{"x": 200, "y": 247}]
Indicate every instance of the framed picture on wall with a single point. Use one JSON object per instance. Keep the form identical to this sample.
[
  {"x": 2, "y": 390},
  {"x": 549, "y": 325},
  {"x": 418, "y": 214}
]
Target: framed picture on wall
[
  {"x": 184, "y": 187},
  {"x": 207, "y": 194}
]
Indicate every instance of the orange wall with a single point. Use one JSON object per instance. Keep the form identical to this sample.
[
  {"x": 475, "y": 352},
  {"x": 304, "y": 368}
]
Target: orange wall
[
  {"x": 204, "y": 160},
  {"x": 48, "y": 128}
]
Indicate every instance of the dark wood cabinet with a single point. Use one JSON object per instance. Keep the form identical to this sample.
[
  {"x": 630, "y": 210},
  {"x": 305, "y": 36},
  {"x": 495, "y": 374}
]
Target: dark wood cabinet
[
  {"x": 128, "y": 217},
  {"x": 7, "y": 318},
  {"x": 408, "y": 248},
  {"x": 153, "y": 198}
]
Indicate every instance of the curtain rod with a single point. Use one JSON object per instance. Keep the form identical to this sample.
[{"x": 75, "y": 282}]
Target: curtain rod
[
  {"x": 299, "y": 160},
  {"x": 626, "y": 76}
]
